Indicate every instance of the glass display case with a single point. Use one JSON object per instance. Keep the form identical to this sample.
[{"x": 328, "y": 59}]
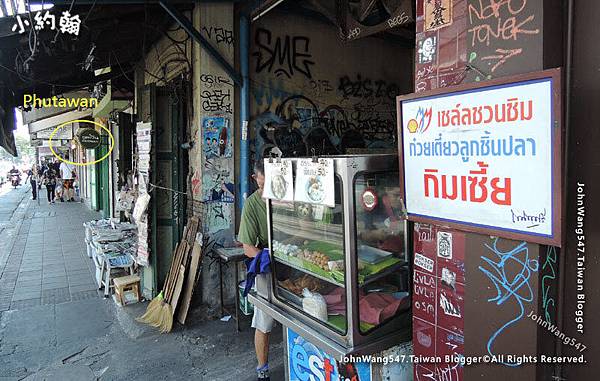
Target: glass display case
[{"x": 341, "y": 273}]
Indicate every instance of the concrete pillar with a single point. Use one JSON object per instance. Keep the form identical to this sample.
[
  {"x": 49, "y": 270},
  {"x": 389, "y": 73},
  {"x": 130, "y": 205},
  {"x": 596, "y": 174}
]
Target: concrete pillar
[{"x": 461, "y": 41}]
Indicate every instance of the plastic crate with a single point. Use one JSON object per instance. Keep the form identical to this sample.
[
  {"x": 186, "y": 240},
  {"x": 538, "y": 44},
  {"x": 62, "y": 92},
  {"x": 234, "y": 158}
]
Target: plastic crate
[{"x": 246, "y": 307}]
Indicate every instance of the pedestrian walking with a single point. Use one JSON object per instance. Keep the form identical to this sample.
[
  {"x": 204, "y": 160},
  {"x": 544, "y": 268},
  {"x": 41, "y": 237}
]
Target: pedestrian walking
[
  {"x": 68, "y": 175},
  {"x": 49, "y": 180},
  {"x": 33, "y": 177}
]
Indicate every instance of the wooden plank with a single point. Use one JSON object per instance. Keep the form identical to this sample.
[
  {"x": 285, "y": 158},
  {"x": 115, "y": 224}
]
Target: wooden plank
[
  {"x": 190, "y": 283},
  {"x": 173, "y": 276},
  {"x": 167, "y": 280},
  {"x": 177, "y": 290}
]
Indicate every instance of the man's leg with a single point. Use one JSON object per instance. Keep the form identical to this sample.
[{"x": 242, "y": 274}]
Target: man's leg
[
  {"x": 71, "y": 194},
  {"x": 263, "y": 324},
  {"x": 33, "y": 189},
  {"x": 261, "y": 345}
]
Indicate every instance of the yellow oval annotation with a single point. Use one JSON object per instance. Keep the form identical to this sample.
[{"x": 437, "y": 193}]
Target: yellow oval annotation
[{"x": 110, "y": 135}]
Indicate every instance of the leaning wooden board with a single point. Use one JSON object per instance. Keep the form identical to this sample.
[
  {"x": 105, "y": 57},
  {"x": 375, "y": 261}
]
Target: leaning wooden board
[
  {"x": 196, "y": 260},
  {"x": 177, "y": 289}
]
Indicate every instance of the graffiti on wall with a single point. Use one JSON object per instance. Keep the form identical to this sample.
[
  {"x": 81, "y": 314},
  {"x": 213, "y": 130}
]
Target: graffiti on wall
[
  {"x": 368, "y": 89},
  {"x": 501, "y": 35},
  {"x": 209, "y": 80},
  {"x": 220, "y": 217},
  {"x": 298, "y": 125},
  {"x": 282, "y": 56},
  {"x": 441, "y": 58},
  {"x": 220, "y": 35},
  {"x": 213, "y": 181},
  {"x": 549, "y": 283},
  {"x": 509, "y": 273},
  {"x": 216, "y": 100},
  {"x": 217, "y": 181}
]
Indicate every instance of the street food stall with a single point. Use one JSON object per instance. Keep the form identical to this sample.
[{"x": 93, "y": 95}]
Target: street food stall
[{"x": 340, "y": 256}]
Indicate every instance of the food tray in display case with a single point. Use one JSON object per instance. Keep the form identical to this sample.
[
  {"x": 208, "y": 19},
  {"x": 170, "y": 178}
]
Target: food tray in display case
[{"x": 340, "y": 274}]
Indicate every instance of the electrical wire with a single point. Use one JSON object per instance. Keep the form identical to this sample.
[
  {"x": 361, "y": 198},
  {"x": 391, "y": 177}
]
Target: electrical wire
[
  {"x": 121, "y": 67},
  {"x": 89, "y": 13}
]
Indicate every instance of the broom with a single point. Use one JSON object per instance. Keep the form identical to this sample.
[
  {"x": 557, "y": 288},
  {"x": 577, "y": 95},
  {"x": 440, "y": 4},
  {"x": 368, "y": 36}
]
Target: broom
[{"x": 159, "y": 311}]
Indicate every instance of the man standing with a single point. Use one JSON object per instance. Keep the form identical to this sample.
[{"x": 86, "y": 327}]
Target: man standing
[
  {"x": 67, "y": 173},
  {"x": 254, "y": 236}
]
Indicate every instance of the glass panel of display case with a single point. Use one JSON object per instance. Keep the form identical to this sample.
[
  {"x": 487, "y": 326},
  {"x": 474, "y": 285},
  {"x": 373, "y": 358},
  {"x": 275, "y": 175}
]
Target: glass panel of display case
[
  {"x": 308, "y": 251},
  {"x": 380, "y": 247}
]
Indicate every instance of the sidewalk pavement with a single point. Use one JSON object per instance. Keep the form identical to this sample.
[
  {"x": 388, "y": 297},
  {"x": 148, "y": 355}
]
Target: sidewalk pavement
[
  {"x": 55, "y": 325},
  {"x": 47, "y": 263}
]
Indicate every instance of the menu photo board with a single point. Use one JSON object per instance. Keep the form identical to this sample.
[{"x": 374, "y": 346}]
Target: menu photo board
[
  {"x": 486, "y": 157},
  {"x": 315, "y": 182},
  {"x": 279, "y": 180}
]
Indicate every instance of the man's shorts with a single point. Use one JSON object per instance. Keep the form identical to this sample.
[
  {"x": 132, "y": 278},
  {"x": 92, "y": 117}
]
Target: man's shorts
[
  {"x": 68, "y": 184},
  {"x": 261, "y": 320}
]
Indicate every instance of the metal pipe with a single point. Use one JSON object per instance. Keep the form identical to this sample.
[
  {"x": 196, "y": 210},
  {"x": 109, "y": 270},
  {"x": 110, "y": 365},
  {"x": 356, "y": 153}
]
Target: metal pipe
[
  {"x": 567, "y": 122},
  {"x": 244, "y": 110}
]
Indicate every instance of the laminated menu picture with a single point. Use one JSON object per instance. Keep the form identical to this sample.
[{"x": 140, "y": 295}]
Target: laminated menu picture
[
  {"x": 279, "y": 181},
  {"x": 314, "y": 182}
]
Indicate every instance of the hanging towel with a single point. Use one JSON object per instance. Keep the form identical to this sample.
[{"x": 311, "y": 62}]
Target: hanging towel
[{"x": 261, "y": 264}]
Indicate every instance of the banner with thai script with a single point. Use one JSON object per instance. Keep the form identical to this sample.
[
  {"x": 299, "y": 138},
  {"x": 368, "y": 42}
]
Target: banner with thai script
[
  {"x": 486, "y": 157},
  {"x": 307, "y": 362}
]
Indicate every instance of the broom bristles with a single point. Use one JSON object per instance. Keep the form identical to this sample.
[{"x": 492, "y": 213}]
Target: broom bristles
[
  {"x": 166, "y": 323},
  {"x": 150, "y": 315},
  {"x": 158, "y": 315}
]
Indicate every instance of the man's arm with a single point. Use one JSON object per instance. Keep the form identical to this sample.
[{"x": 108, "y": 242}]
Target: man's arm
[{"x": 251, "y": 251}]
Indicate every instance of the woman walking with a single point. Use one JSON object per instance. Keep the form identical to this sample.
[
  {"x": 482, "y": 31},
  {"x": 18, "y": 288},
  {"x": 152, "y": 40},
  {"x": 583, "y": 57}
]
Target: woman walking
[{"x": 49, "y": 179}]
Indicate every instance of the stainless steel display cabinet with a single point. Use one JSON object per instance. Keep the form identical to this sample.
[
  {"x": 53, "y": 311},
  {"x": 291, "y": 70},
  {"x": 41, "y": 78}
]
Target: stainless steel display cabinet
[{"x": 341, "y": 275}]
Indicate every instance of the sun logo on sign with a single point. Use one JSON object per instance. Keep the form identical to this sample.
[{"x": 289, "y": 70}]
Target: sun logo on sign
[{"x": 421, "y": 122}]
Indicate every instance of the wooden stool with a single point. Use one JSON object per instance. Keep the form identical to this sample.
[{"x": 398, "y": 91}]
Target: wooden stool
[{"x": 124, "y": 284}]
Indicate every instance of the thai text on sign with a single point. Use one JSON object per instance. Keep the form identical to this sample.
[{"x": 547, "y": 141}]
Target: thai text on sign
[{"x": 482, "y": 157}]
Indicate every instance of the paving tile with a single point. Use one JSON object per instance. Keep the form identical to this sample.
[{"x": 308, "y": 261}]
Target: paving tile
[
  {"x": 53, "y": 272},
  {"x": 81, "y": 282},
  {"x": 27, "y": 295},
  {"x": 55, "y": 296},
  {"x": 79, "y": 277},
  {"x": 79, "y": 271},
  {"x": 77, "y": 268},
  {"x": 84, "y": 295},
  {"x": 83, "y": 287},
  {"x": 54, "y": 285},
  {"x": 24, "y": 281},
  {"x": 57, "y": 278},
  {"x": 20, "y": 304},
  {"x": 25, "y": 268},
  {"x": 27, "y": 289},
  {"x": 27, "y": 263}
]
